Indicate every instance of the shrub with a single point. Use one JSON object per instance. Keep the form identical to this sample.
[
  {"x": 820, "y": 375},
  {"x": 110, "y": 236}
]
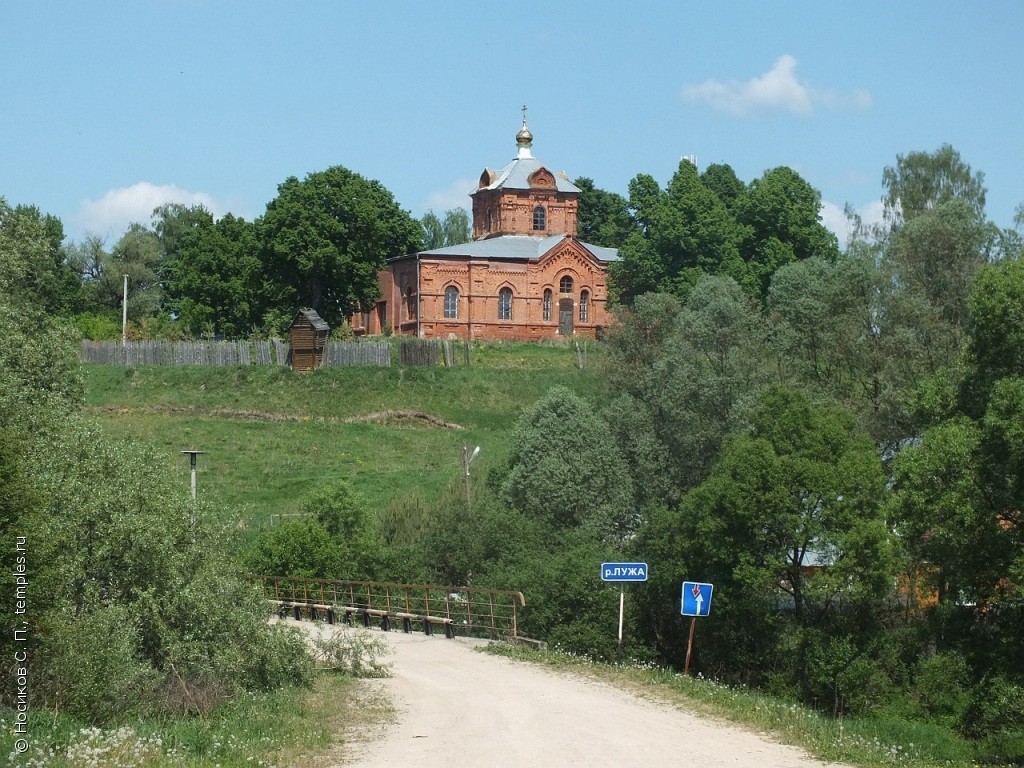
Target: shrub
[
  {"x": 92, "y": 666},
  {"x": 996, "y": 705},
  {"x": 942, "y": 688},
  {"x": 351, "y": 651}
]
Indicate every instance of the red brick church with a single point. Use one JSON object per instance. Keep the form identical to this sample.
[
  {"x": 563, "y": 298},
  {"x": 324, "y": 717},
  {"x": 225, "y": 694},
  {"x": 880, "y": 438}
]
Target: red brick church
[{"x": 524, "y": 276}]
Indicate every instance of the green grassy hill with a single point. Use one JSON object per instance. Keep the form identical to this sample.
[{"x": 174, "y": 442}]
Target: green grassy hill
[{"x": 271, "y": 435}]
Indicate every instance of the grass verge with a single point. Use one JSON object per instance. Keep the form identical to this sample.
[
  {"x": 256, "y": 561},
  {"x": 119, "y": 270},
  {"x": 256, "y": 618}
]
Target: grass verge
[
  {"x": 289, "y": 727},
  {"x": 854, "y": 742}
]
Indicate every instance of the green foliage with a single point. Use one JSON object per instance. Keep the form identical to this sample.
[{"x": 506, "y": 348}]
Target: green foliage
[
  {"x": 943, "y": 688},
  {"x": 454, "y": 229},
  {"x": 996, "y": 706},
  {"x": 215, "y": 278},
  {"x": 137, "y": 254},
  {"x": 722, "y": 180},
  {"x": 565, "y": 469},
  {"x": 93, "y": 667},
  {"x": 802, "y": 487},
  {"x": 134, "y": 606},
  {"x": 326, "y": 237},
  {"x": 98, "y": 327},
  {"x": 563, "y": 604},
  {"x": 921, "y": 181},
  {"x": 351, "y": 651},
  {"x": 701, "y": 370},
  {"x": 38, "y": 359},
  {"x": 936, "y": 510},
  {"x": 996, "y": 345},
  {"x": 780, "y": 218},
  {"x": 713, "y": 224},
  {"x": 603, "y": 217},
  {"x": 33, "y": 266},
  {"x": 336, "y": 539}
]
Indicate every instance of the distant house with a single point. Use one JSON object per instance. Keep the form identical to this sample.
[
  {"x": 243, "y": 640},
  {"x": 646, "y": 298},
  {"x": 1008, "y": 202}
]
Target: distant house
[
  {"x": 307, "y": 338},
  {"x": 524, "y": 276}
]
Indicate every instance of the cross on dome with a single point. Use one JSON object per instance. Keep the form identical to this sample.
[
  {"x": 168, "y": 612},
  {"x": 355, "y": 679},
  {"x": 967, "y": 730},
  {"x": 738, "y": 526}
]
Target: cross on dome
[{"x": 524, "y": 139}]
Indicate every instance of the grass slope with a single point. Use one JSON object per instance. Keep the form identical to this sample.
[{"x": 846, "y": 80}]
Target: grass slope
[{"x": 257, "y": 466}]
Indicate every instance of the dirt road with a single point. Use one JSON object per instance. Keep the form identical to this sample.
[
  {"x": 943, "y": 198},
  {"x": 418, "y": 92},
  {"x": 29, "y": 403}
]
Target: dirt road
[{"x": 459, "y": 708}]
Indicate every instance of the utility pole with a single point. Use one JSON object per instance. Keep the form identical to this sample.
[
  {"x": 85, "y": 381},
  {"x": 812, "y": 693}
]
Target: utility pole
[
  {"x": 124, "y": 313},
  {"x": 193, "y": 457}
]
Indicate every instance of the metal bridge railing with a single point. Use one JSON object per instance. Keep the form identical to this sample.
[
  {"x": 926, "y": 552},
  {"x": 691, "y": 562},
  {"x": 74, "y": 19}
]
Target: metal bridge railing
[{"x": 468, "y": 611}]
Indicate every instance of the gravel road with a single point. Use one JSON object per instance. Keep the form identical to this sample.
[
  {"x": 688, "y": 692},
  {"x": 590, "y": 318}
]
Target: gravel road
[{"x": 459, "y": 708}]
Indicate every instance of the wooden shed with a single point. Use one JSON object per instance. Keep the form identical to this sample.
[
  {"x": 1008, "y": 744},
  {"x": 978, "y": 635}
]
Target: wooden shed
[{"x": 308, "y": 337}]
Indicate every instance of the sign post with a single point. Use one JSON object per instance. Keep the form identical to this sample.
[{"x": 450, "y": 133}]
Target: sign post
[
  {"x": 696, "y": 602},
  {"x": 623, "y": 572}
]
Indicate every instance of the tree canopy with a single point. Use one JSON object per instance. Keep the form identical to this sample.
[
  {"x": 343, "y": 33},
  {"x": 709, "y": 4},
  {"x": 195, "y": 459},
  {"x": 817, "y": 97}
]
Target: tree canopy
[{"x": 326, "y": 237}]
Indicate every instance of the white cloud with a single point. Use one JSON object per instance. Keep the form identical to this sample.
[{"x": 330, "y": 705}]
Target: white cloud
[
  {"x": 455, "y": 195},
  {"x": 111, "y": 214},
  {"x": 834, "y": 218},
  {"x": 777, "y": 89}
]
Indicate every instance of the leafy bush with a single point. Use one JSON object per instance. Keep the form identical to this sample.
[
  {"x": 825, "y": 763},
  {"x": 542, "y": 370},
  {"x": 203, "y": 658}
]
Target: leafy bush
[
  {"x": 943, "y": 688},
  {"x": 996, "y": 705},
  {"x": 336, "y": 539},
  {"x": 1003, "y": 748},
  {"x": 351, "y": 651},
  {"x": 566, "y": 469},
  {"x": 92, "y": 666},
  {"x": 98, "y": 327}
]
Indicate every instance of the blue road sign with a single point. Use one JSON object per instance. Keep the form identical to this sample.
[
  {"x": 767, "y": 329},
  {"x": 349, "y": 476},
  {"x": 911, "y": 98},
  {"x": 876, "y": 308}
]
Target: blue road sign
[
  {"x": 623, "y": 571},
  {"x": 696, "y": 598}
]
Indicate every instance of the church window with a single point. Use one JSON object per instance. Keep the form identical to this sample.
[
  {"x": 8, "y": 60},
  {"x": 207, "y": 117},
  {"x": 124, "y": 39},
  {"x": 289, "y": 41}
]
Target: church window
[
  {"x": 547, "y": 305},
  {"x": 565, "y": 285},
  {"x": 540, "y": 219},
  {"x": 505, "y": 304},
  {"x": 584, "y": 306},
  {"x": 451, "y": 302}
]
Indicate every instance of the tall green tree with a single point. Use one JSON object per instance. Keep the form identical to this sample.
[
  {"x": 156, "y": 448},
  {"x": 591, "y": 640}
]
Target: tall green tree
[
  {"x": 172, "y": 220},
  {"x": 693, "y": 232},
  {"x": 781, "y": 218},
  {"x": 604, "y": 218},
  {"x": 841, "y": 327},
  {"x": 921, "y": 181},
  {"x": 33, "y": 262},
  {"x": 138, "y": 255},
  {"x": 326, "y": 237},
  {"x": 215, "y": 278},
  {"x": 565, "y": 469},
  {"x": 712, "y": 367},
  {"x": 721, "y": 179},
  {"x": 789, "y": 517},
  {"x": 453, "y": 229}
]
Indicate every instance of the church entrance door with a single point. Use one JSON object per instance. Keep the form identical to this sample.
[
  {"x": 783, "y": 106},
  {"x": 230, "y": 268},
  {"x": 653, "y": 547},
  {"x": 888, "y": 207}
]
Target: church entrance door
[{"x": 565, "y": 317}]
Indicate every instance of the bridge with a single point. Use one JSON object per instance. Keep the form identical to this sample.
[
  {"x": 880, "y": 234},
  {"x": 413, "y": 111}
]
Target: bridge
[{"x": 465, "y": 611}]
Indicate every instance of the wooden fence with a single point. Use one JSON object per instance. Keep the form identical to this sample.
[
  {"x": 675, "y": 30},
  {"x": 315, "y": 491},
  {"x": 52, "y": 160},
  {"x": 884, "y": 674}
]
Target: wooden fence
[
  {"x": 433, "y": 351},
  {"x": 450, "y": 352}
]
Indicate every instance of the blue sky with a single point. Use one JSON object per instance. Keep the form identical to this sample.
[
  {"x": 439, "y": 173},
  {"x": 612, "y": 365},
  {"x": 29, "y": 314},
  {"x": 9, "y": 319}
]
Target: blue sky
[{"x": 109, "y": 109}]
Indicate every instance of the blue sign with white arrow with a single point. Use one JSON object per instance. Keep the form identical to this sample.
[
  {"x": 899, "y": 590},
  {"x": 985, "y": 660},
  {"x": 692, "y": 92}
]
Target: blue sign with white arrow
[
  {"x": 623, "y": 571},
  {"x": 696, "y": 598}
]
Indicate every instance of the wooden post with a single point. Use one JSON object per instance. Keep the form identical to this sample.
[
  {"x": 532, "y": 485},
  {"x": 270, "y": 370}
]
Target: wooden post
[{"x": 689, "y": 646}]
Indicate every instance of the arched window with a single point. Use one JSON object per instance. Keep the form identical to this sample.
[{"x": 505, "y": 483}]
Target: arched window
[
  {"x": 505, "y": 304},
  {"x": 547, "y": 305},
  {"x": 540, "y": 218},
  {"x": 584, "y": 306},
  {"x": 565, "y": 285},
  {"x": 451, "y": 302}
]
